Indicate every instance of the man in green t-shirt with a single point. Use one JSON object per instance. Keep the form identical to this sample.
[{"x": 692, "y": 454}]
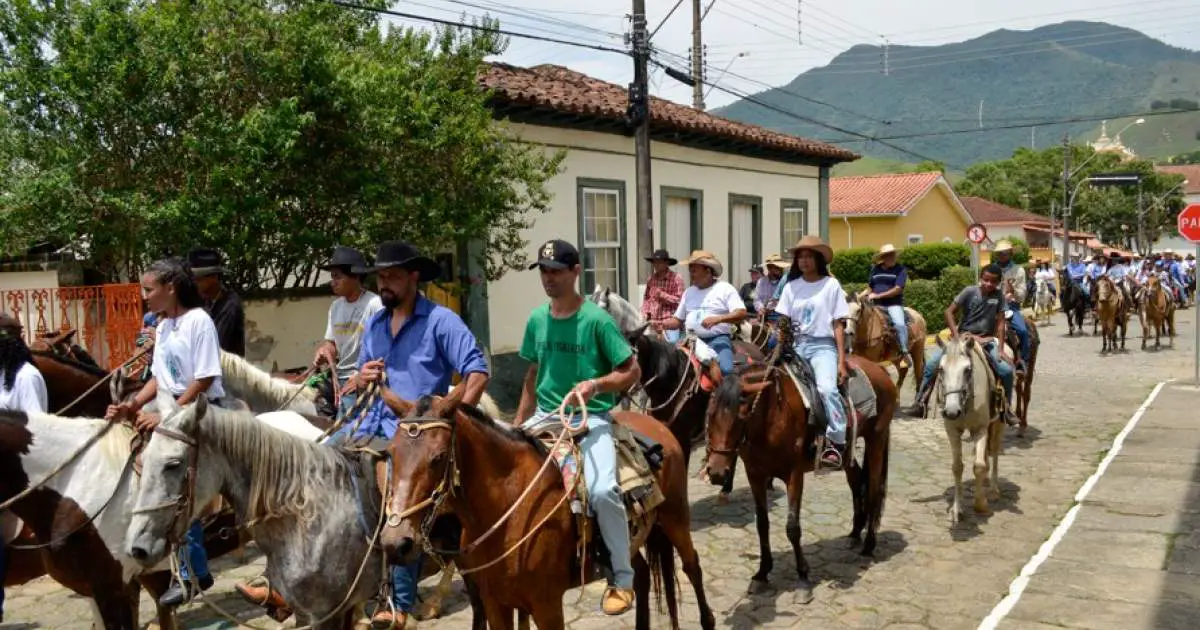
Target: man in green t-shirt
[{"x": 574, "y": 345}]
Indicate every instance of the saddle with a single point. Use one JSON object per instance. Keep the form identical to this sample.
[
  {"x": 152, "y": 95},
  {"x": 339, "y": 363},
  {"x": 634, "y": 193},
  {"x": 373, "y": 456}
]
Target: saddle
[
  {"x": 890, "y": 336},
  {"x": 704, "y": 360},
  {"x": 858, "y": 398},
  {"x": 1008, "y": 353}
]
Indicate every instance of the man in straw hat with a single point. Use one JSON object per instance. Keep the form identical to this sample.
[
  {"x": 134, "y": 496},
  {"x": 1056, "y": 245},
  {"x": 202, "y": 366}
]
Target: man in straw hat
[
  {"x": 770, "y": 285},
  {"x": 664, "y": 288},
  {"x": 709, "y": 306},
  {"x": 575, "y": 348},
  {"x": 886, "y": 281},
  {"x": 1012, "y": 285},
  {"x": 223, "y": 304},
  {"x": 419, "y": 345}
]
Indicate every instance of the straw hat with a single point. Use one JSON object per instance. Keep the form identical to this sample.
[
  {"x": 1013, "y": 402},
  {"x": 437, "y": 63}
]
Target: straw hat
[
  {"x": 815, "y": 244},
  {"x": 777, "y": 261},
  {"x": 885, "y": 250},
  {"x": 1002, "y": 246},
  {"x": 706, "y": 258}
]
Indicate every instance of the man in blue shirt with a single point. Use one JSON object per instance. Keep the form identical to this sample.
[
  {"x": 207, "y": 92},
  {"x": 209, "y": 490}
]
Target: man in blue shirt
[
  {"x": 419, "y": 345},
  {"x": 1076, "y": 272},
  {"x": 887, "y": 279}
]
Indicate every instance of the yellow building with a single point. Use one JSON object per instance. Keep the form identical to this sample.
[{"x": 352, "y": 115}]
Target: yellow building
[{"x": 901, "y": 209}]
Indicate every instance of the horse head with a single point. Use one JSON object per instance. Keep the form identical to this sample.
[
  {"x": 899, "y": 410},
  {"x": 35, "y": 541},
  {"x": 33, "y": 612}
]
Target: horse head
[
  {"x": 627, "y": 317},
  {"x": 171, "y": 490},
  {"x": 727, "y": 417},
  {"x": 424, "y": 472},
  {"x": 956, "y": 376}
]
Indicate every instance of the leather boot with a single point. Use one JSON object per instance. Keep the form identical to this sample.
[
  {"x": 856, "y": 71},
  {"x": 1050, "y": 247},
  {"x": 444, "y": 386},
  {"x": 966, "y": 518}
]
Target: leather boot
[
  {"x": 260, "y": 594},
  {"x": 917, "y": 409}
]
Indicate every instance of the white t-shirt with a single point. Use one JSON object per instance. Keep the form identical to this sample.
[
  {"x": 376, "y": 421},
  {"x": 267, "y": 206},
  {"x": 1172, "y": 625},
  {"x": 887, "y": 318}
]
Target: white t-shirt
[
  {"x": 1046, "y": 274},
  {"x": 345, "y": 326},
  {"x": 813, "y": 306},
  {"x": 28, "y": 392},
  {"x": 720, "y": 298},
  {"x": 186, "y": 349}
]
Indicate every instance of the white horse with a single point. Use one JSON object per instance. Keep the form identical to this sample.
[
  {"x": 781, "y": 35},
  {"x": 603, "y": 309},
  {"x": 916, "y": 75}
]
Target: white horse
[
  {"x": 1043, "y": 303},
  {"x": 965, "y": 399},
  {"x": 301, "y": 497}
]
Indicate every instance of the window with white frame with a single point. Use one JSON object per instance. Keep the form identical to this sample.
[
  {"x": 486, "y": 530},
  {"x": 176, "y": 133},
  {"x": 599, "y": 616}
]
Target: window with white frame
[
  {"x": 914, "y": 239},
  {"x": 793, "y": 222},
  {"x": 601, "y": 223}
]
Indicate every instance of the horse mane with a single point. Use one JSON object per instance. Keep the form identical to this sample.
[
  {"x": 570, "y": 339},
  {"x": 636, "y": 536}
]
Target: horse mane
[
  {"x": 662, "y": 357},
  {"x": 283, "y": 468},
  {"x": 256, "y": 387},
  {"x": 491, "y": 425},
  {"x": 115, "y": 446},
  {"x": 72, "y": 363},
  {"x": 627, "y": 317}
]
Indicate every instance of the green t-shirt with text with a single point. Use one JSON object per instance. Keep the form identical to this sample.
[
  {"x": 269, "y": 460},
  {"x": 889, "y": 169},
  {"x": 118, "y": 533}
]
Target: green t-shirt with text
[{"x": 571, "y": 350}]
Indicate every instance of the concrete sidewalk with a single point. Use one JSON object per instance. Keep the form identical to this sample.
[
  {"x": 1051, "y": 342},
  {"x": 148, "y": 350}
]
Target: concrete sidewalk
[{"x": 1131, "y": 559}]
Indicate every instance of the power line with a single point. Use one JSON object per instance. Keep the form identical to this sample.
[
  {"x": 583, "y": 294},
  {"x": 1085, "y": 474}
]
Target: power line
[{"x": 1026, "y": 125}]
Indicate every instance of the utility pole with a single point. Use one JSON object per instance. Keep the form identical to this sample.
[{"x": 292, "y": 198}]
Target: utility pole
[
  {"x": 1141, "y": 217},
  {"x": 886, "y": 61},
  {"x": 639, "y": 111},
  {"x": 1066, "y": 205},
  {"x": 697, "y": 59}
]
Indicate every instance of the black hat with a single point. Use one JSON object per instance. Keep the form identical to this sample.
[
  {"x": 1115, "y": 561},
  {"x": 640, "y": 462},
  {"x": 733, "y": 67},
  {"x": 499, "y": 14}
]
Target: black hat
[
  {"x": 756, "y": 268},
  {"x": 401, "y": 254},
  {"x": 556, "y": 254},
  {"x": 205, "y": 262},
  {"x": 661, "y": 254},
  {"x": 345, "y": 257}
]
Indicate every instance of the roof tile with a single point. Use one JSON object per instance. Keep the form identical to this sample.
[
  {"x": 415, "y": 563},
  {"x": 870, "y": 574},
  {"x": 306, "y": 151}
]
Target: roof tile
[
  {"x": 986, "y": 211},
  {"x": 561, "y": 89},
  {"x": 878, "y": 194}
]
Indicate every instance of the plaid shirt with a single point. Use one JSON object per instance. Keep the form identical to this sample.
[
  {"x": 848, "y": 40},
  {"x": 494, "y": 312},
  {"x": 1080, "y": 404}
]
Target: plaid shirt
[{"x": 663, "y": 293}]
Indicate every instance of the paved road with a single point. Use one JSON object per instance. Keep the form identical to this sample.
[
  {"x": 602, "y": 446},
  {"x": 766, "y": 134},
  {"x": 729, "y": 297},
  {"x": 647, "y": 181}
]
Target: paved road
[{"x": 927, "y": 574}]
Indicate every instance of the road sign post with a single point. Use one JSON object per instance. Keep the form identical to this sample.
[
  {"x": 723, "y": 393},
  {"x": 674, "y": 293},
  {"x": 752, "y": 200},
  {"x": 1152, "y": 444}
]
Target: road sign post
[
  {"x": 1189, "y": 228},
  {"x": 976, "y": 233}
]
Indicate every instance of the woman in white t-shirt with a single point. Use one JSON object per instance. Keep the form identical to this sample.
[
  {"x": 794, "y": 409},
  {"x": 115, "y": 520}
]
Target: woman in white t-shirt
[
  {"x": 1044, "y": 272},
  {"x": 708, "y": 307},
  {"x": 816, "y": 305},
  {"x": 186, "y": 365}
]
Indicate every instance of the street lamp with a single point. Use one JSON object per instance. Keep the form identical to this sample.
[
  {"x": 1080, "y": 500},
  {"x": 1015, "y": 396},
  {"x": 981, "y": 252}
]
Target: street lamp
[
  {"x": 713, "y": 84},
  {"x": 1158, "y": 200},
  {"x": 1094, "y": 154}
]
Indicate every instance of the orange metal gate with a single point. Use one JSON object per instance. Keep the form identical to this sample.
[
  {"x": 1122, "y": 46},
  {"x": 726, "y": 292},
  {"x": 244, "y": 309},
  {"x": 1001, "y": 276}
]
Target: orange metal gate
[{"x": 106, "y": 318}]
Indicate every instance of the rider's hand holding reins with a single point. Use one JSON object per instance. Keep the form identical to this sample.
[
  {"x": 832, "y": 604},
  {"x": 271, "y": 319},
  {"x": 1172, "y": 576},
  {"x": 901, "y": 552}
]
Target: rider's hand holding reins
[
  {"x": 585, "y": 390},
  {"x": 326, "y": 355},
  {"x": 120, "y": 411}
]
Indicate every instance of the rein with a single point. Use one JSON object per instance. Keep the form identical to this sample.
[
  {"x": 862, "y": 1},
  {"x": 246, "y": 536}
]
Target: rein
[
  {"x": 61, "y": 467},
  {"x": 688, "y": 370},
  {"x": 104, "y": 379}
]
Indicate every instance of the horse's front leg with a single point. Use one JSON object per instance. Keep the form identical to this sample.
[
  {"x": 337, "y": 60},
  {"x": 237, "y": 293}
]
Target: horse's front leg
[
  {"x": 980, "y": 468},
  {"x": 995, "y": 440},
  {"x": 955, "y": 436},
  {"x": 795, "y": 491},
  {"x": 762, "y": 523}
]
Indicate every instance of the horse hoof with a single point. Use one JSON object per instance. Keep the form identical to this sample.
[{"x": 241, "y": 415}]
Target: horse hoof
[
  {"x": 983, "y": 509},
  {"x": 853, "y": 541},
  {"x": 994, "y": 495},
  {"x": 758, "y": 587},
  {"x": 722, "y": 499},
  {"x": 803, "y": 595}
]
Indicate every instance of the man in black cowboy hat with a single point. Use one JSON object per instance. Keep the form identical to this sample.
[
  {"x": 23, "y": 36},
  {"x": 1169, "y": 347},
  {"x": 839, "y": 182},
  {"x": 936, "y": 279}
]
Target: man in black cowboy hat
[
  {"x": 221, "y": 302},
  {"x": 664, "y": 288},
  {"x": 418, "y": 345}
]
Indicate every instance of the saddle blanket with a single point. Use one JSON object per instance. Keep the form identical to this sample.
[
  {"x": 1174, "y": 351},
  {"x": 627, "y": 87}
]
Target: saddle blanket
[{"x": 857, "y": 390}]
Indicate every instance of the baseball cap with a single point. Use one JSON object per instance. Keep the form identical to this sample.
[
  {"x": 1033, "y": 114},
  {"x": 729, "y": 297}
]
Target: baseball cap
[{"x": 556, "y": 254}]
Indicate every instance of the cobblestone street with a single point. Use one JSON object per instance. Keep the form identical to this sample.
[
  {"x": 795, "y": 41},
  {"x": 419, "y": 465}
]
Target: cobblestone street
[{"x": 927, "y": 574}]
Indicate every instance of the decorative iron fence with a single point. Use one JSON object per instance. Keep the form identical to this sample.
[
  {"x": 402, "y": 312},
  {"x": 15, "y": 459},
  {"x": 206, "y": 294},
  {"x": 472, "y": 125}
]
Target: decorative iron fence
[{"x": 106, "y": 318}]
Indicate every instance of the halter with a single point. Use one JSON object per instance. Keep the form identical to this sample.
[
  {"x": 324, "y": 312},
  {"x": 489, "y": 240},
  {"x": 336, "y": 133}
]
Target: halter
[
  {"x": 967, "y": 391},
  {"x": 185, "y": 501},
  {"x": 688, "y": 370}
]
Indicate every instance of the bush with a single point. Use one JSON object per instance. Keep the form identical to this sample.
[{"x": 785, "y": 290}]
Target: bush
[
  {"x": 1157, "y": 104},
  {"x": 930, "y": 297},
  {"x": 953, "y": 280},
  {"x": 926, "y": 261},
  {"x": 1184, "y": 104},
  {"x": 1020, "y": 251},
  {"x": 852, "y": 265}
]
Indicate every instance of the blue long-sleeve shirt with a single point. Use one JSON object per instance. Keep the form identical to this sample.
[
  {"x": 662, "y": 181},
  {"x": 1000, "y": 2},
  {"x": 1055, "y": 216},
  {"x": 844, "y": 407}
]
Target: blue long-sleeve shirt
[{"x": 420, "y": 360}]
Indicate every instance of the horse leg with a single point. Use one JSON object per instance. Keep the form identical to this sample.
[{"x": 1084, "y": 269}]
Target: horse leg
[
  {"x": 501, "y": 617},
  {"x": 854, "y": 474},
  {"x": 956, "y": 467},
  {"x": 641, "y": 592},
  {"x": 758, "y": 489},
  {"x": 478, "y": 612},
  {"x": 876, "y": 456},
  {"x": 980, "y": 468},
  {"x": 995, "y": 440},
  {"x": 432, "y": 607},
  {"x": 156, "y": 584},
  {"x": 548, "y": 615},
  {"x": 795, "y": 490},
  {"x": 676, "y": 527}
]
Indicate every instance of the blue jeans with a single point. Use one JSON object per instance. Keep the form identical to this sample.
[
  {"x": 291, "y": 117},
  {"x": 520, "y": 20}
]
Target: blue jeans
[
  {"x": 604, "y": 493},
  {"x": 896, "y": 314},
  {"x": 196, "y": 558},
  {"x": 347, "y": 403},
  {"x": 672, "y": 336},
  {"x": 1018, "y": 325},
  {"x": 1003, "y": 369},
  {"x": 723, "y": 346},
  {"x": 821, "y": 353},
  {"x": 404, "y": 577}
]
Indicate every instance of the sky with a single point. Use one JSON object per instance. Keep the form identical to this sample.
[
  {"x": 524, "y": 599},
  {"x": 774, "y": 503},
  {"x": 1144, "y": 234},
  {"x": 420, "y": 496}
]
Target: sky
[{"x": 755, "y": 44}]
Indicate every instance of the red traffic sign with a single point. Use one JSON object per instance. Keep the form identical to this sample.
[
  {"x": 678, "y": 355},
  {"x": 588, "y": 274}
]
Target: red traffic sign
[
  {"x": 1189, "y": 223},
  {"x": 976, "y": 233}
]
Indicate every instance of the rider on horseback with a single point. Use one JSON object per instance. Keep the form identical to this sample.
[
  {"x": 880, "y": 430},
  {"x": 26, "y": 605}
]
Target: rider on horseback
[
  {"x": 664, "y": 288},
  {"x": 1077, "y": 273},
  {"x": 886, "y": 280},
  {"x": 1013, "y": 287},
  {"x": 982, "y": 310},
  {"x": 22, "y": 388},
  {"x": 348, "y": 316},
  {"x": 770, "y": 286},
  {"x": 575, "y": 346},
  {"x": 708, "y": 307}
]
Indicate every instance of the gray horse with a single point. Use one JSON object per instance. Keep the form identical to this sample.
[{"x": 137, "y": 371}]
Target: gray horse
[{"x": 300, "y": 497}]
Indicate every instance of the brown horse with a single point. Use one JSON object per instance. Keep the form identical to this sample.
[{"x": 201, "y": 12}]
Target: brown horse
[
  {"x": 1159, "y": 314},
  {"x": 762, "y": 417},
  {"x": 871, "y": 336},
  {"x": 69, "y": 381},
  {"x": 1111, "y": 313},
  {"x": 452, "y": 464},
  {"x": 1023, "y": 385}
]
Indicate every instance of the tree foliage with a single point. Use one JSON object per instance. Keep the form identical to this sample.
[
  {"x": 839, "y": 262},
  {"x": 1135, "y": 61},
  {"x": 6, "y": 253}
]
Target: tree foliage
[
  {"x": 1033, "y": 179},
  {"x": 272, "y": 129}
]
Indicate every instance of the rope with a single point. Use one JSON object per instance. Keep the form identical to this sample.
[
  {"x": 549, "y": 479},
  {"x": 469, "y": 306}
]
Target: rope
[
  {"x": 71, "y": 459},
  {"x": 90, "y": 519},
  {"x": 104, "y": 380},
  {"x": 303, "y": 377}
]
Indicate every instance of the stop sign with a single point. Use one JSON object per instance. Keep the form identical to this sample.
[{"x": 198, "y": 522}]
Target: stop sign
[{"x": 1189, "y": 223}]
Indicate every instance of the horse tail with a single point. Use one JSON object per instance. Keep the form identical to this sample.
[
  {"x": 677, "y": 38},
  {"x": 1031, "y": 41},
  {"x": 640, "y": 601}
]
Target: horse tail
[{"x": 661, "y": 557}]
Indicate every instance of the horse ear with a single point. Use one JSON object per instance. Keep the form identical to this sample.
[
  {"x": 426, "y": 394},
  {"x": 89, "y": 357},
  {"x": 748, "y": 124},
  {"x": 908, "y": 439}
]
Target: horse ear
[
  {"x": 969, "y": 343},
  {"x": 201, "y": 406},
  {"x": 634, "y": 334},
  {"x": 940, "y": 342}
]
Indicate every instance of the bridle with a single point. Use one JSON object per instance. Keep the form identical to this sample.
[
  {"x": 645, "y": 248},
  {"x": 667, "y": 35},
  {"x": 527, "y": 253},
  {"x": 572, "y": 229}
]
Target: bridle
[
  {"x": 967, "y": 391},
  {"x": 184, "y": 503},
  {"x": 680, "y": 392}
]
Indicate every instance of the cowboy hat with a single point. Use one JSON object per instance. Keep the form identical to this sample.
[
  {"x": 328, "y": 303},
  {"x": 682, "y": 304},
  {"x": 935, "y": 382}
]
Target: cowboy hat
[
  {"x": 401, "y": 254},
  {"x": 705, "y": 258},
  {"x": 884, "y": 251},
  {"x": 205, "y": 262},
  {"x": 345, "y": 257},
  {"x": 1002, "y": 246},
  {"x": 661, "y": 254},
  {"x": 815, "y": 244},
  {"x": 775, "y": 260}
]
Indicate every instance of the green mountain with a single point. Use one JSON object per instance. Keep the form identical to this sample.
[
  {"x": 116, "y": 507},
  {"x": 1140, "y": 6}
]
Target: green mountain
[{"x": 1025, "y": 80}]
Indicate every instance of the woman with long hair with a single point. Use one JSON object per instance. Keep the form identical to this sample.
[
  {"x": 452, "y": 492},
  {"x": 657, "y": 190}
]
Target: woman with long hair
[
  {"x": 816, "y": 305},
  {"x": 186, "y": 364}
]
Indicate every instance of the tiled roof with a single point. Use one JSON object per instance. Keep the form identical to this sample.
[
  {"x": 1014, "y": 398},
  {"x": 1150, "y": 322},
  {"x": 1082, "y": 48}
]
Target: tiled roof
[
  {"x": 563, "y": 90},
  {"x": 1190, "y": 172},
  {"x": 1044, "y": 226},
  {"x": 878, "y": 194},
  {"x": 986, "y": 211}
]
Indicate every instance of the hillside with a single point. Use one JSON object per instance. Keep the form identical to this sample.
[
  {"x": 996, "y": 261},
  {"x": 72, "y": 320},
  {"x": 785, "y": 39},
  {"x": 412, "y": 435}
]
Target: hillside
[{"x": 1068, "y": 70}]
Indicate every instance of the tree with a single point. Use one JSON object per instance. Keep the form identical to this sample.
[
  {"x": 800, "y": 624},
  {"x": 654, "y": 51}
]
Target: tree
[{"x": 272, "y": 129}]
